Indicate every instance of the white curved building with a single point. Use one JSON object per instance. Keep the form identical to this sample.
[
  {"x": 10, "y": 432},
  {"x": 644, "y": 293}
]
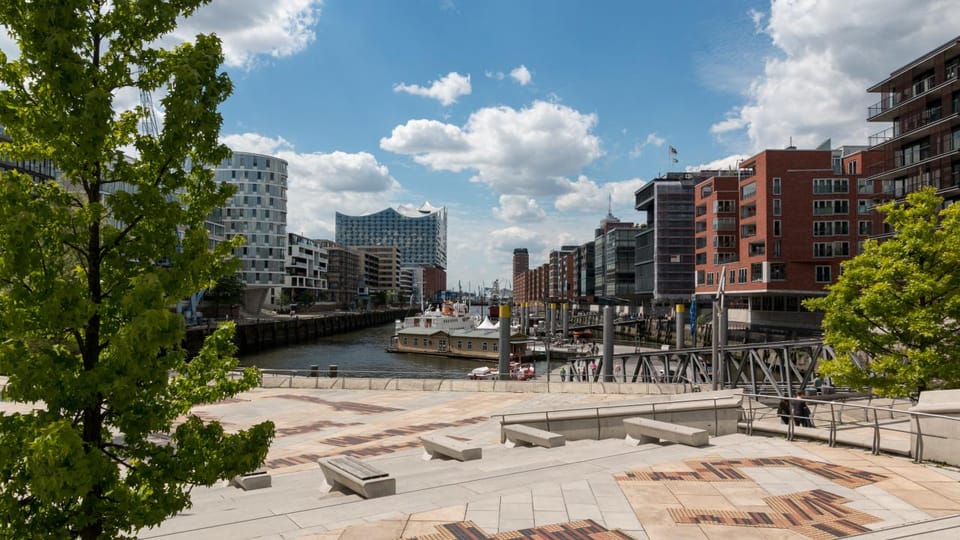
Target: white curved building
[{"x": 258, "y": 211}]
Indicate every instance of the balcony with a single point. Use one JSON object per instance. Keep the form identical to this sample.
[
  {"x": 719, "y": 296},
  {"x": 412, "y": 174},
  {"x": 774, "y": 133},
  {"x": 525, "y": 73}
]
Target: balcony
[
  {"x": 899, "y": 163},
  {"x": 910, "y": 124},
  {"x": 892, "y": 100}
]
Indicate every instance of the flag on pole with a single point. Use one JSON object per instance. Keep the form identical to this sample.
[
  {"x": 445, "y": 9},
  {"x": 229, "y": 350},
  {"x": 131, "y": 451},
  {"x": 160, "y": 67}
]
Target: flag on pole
[
  {"x": 675, "y": 160},
  {"x": 673, "y": 150}
]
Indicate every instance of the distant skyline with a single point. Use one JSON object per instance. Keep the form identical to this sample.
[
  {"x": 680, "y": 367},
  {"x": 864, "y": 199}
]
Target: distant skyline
[{"x": 523, "y": 117}]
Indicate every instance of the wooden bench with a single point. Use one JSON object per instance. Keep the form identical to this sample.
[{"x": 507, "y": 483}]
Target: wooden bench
[
  {"x": 519, "y": 433},
  {"x": 357, "y": 476},
  {"x": 436, "y": 444},
  {"x": 644, "y": 430},
  {"x": 256, "y": 480}
]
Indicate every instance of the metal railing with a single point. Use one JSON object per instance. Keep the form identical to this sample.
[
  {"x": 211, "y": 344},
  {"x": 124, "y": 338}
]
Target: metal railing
[{"x": 836, "y": 423}]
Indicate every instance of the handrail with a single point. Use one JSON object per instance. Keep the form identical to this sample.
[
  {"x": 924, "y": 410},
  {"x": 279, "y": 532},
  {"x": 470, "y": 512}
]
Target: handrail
[{"x": 913, "y": 418}]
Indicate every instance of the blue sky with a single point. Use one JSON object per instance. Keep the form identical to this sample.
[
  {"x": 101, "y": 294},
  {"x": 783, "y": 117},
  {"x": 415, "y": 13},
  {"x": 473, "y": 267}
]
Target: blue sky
[{"x": 523, "y": 117}]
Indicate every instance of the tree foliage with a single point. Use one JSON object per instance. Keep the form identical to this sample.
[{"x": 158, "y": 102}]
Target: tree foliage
[
  {"x": 90, "y": 267},
  {"x": 893, "y": 316}
]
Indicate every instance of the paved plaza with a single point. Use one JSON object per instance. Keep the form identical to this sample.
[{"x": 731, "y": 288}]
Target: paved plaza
[{"x": 737, "y": 487}]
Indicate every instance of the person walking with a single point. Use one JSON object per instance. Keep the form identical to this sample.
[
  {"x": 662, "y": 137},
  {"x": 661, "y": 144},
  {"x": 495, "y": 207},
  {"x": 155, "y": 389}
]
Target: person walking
[
  {"x": 563, "y": 375},
  {"x": 801, "y": 412},
  {"x": 783, "y": 411}
]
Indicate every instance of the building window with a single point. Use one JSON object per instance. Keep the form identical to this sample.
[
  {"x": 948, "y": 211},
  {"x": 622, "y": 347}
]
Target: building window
[
  {"x": 470, "y": 345},
  {"x": 724, "y": 206},
  {"x": 828, "y": 207},
  {"x": 778, "y": 271},
  {"x": 864, "y": 206},
  {"x": 776, "y": 185},
  {"x": 483, "y": 346},
  {"x": 706, "y": 191},
  {"x": 776, "y": 248},
  {"x": 756, "y": 272},
  {"x": 777, "y": 227},
  {"x": 742, "y": 275},
  {"x": 852, "y": 167},
  {"x": 748, "y": 191},
  {"x": 831, "y": 249},
  {"x": 776, "y": 207},
  {"x": 823, "y": 274},
  {"x": 830, "y": 185},
  {"x": 864, "y": 186},
  {"x": 733, "y": 276},
  {"x": 459, "y": 344},
  {"x": 404, "y": 340},
  {"x": 701, "y": 276}
]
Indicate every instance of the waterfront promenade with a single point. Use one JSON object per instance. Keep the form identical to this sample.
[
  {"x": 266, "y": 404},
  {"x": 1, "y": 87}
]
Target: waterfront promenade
[{"x": 737, "y": 487}]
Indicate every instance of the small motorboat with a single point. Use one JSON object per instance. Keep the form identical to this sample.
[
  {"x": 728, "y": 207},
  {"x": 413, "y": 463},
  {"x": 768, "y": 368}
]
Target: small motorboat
[{"x": 483, "y": 372}]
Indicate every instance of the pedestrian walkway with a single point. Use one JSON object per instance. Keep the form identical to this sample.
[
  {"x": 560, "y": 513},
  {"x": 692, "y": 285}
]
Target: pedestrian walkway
[{"x": 737, "y": 487}]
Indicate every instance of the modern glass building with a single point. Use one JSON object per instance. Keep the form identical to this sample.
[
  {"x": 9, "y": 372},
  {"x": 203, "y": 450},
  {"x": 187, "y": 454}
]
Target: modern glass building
[
  {"x": 258, "y": 211},
  {"x": 419, "y": 233}
]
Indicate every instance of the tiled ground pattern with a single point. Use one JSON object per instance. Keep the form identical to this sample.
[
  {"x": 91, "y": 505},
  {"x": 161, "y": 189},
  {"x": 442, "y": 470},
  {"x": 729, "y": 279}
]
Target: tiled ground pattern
[
  {"x": 573, "y": 530},
  {"x": 350, "y": 440},
  {"x": 314, "y": 426},
  {"x": 340, "y": 406},
  {"x": 729, "y": 470},
  {"x": 817, "y": 514}
]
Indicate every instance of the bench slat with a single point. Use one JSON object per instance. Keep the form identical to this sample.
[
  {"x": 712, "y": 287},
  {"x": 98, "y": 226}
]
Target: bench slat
[{"x": 357, "y": 468}]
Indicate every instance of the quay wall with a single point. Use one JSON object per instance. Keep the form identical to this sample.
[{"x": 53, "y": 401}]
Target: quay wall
[{"x": 255, "y": 335}]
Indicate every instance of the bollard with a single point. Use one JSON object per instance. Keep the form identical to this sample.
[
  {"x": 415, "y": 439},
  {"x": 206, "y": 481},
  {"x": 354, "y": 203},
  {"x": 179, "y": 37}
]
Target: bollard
[
  {"x": 314, "y": 371},
  {"x": 332, "y": 371}
]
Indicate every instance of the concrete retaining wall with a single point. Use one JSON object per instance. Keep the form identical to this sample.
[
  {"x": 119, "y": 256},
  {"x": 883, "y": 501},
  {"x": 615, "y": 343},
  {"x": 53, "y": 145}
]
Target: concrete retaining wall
[
  {"x": 715, "y": 412},
  {"x": 941, "y": 436}
]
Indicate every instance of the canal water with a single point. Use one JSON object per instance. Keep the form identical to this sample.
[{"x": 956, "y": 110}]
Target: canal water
[{"x": 363, "y": 354}]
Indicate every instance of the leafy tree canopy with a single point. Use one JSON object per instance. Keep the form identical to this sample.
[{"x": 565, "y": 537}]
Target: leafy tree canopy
[
  {"x": 90, "y": 265},
  {"x": 893, "y": 316}
]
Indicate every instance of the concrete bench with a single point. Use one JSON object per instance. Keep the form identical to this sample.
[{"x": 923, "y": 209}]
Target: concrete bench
[
  {"x": 255, "y": 480},
  {"x": 644, "y": 430},
  {"x": 436, "y": 444},
  {"x": 519, "y": 433},
  {"x": 357, "y": 476}
]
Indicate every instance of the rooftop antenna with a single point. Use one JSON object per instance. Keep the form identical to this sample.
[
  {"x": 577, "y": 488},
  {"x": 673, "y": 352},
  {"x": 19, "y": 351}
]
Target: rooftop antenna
[{"x": 609, "y": 204}]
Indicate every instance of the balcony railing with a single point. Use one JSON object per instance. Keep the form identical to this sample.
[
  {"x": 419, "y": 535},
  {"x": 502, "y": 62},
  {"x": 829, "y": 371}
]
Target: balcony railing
[
  {"x": 940, "y": 144},
  {"x": 889, "y": 100}
]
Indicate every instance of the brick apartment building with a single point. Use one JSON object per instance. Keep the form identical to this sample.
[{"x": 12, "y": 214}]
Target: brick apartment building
[
  {"x": 922, "y": 102},
  {"x": 780, "y": 230}
]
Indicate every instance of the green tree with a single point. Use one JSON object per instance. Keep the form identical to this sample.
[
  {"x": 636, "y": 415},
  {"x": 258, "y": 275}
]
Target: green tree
[
  {"x": 228, "y": 291},
  {"x": 88, "y": 272},
  {"x": 893, "y": 316}
]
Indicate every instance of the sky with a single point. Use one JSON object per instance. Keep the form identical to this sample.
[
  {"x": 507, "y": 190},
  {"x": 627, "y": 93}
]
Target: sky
[{"x": 526, "y": 119}]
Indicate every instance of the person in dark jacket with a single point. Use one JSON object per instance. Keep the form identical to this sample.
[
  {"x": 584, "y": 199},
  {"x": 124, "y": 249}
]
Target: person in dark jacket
[
  {"x": 783, "y": 411},
  {"x": 801, "y": 412}
]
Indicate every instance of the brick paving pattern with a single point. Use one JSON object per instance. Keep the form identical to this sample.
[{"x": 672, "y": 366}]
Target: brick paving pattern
[{"x": 573, "y": 530}]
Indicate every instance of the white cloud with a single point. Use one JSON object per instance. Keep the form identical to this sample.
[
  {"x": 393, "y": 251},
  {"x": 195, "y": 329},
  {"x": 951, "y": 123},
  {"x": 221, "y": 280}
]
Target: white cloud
[
  {"x": 529, "y": 151},
  {"x": 652, "y": 139},
  {"x": 587, "y": 196},
  {"x": 521, "y": 74},
  {"x": 7, "y": 45},
  {"x": 251, "y": 29},
  {"x": 498, "y": 75},
  {"x": 518, "y": 208},
  {"x": 446, "y": 89},
  {"x": 320, "y": 183},
  {"x": 724, "y": 163},
  {"x": 828, "y": 54}
]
